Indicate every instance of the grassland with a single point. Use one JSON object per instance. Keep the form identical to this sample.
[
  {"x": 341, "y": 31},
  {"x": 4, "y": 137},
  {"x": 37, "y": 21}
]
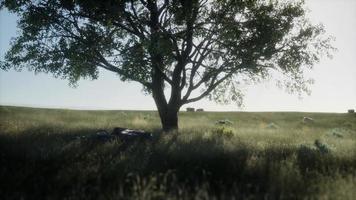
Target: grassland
[{"x": 258, "y": 156}]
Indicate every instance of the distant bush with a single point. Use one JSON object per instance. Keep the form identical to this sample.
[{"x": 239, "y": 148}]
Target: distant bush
[
  {"x": 224, "y": 131},
  {"x": 322, "y": 147},
  {"x": 348, "y": 125},
  {"x": 339, "y": 132},
  {"x": 190, "y": 109}
]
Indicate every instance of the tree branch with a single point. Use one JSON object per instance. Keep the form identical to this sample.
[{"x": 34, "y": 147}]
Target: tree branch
[
  {"x": 211, "y": 87},
  {"x": 108, "y": 66}
]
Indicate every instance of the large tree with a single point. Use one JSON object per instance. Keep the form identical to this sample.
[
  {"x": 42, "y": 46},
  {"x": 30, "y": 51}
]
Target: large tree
[{"x": 190, "y": 49}]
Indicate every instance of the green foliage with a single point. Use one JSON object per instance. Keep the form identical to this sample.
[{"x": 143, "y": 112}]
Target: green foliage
[
  {"x": 40, "y": 157},
  {"x": 322, "y": 147},
  {"x": 223, "y": 131},
  {"x": 210, "y": 46}
]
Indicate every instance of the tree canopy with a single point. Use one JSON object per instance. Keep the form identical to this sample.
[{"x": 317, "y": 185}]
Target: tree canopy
[{"x": 193, "y": 48}]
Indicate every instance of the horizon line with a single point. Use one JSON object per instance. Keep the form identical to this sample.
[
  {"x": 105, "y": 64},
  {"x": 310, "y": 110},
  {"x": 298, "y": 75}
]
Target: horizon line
[{"x": 84, "y": 108}]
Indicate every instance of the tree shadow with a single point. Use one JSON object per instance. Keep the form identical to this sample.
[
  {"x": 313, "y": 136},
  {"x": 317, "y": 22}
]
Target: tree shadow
[{"x": 36, "y": 164}]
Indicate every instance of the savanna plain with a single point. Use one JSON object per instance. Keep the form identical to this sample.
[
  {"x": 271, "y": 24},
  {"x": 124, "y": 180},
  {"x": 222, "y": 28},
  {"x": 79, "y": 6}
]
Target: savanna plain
[{"x": 46, "y": 154}]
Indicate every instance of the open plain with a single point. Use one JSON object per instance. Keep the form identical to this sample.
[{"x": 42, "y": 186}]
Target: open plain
[{"x": 267, "y": 155}]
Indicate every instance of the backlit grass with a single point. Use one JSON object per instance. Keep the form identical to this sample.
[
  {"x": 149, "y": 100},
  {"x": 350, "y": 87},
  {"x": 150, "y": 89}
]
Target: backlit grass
[{"x": 40, "y": 157}]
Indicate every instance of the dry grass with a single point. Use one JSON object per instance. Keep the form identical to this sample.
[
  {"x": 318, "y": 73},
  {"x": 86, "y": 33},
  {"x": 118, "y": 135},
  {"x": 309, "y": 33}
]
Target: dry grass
[{"x": 249, "y": 159}]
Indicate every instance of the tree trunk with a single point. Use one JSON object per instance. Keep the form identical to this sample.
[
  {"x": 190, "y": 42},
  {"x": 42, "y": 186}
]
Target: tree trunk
[
  {"x": 169, "y": 119},
  {"x": 167, "y": 112}
]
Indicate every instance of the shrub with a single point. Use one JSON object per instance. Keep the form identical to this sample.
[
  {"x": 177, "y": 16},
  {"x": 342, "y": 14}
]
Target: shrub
[
  {"x": 224, "y": 131},
  {"x": 322, "y": 147}
]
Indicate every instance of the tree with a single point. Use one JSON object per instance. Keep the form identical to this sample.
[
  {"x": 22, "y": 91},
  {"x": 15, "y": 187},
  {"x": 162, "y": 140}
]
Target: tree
[{"x": 189, "y": 48}]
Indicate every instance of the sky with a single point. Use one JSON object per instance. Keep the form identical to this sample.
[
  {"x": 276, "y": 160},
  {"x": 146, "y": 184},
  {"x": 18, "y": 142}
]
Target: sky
[{"x": 334, "y": 89}]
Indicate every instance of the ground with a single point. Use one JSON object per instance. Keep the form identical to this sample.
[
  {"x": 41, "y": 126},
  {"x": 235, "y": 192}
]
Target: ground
[{"x": 253, "y": 156}]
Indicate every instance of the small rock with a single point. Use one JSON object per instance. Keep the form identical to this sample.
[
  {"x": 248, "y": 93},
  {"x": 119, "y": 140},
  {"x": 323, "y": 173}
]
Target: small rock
[
  {"x": 308, "y": 120},
  {"x": 100, "y": 135},
  {"x": 224, "y": 122},
  {"x": 272, "y": 126},
  {"x": 103, "y": 135},
  {"x": 122, "y": 134},
  {"x": 126, "y": 135},
  {"x": 80, "y": 137}
]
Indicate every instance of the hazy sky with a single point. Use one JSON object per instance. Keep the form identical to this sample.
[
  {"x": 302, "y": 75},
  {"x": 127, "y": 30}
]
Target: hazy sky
[{"x": 334, "y": 89}]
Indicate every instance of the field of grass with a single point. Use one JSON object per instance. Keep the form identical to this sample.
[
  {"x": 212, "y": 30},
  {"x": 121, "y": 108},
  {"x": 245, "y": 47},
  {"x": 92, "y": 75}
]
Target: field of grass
[{"x": 258, "y": 156}]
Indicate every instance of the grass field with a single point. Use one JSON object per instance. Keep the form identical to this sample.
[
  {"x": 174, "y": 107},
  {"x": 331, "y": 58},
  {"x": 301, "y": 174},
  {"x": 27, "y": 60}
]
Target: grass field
[{"x": 258, "y": 156}]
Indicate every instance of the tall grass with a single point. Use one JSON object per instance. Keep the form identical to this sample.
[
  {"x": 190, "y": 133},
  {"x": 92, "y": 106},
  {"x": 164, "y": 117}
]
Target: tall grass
[{"x": 40, "y": 157}]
